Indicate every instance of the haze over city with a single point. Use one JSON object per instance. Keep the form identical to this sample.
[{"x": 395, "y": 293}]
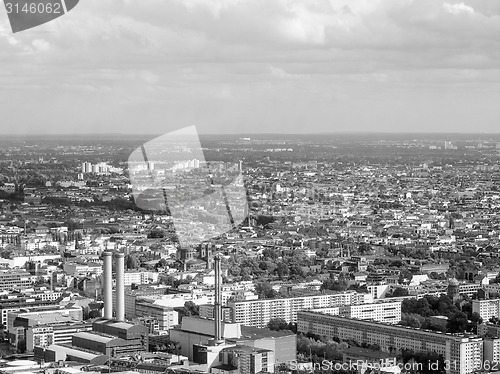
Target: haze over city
[{"x": 275, "y": 66}]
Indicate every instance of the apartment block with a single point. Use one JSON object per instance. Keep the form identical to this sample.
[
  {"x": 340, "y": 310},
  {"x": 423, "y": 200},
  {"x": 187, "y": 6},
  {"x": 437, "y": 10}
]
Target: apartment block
[
  {"x": 492, "y": 351},
  {"x": 258, "y": 313},
  {"x": 463, "y": 354},
  {"x": 381, "y": 312},
  {"x": 486, "y": 308},
  {"x": 135, "y": 277},
  {"x": 387, "y": 312}
]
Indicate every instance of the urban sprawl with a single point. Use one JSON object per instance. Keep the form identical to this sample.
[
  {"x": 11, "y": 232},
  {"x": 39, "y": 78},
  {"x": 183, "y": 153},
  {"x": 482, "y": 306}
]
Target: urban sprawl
[{"x": 356, "y": 254}]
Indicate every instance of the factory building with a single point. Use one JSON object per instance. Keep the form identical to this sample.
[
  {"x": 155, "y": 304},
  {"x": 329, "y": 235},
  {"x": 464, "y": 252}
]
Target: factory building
[
  {"x": 223, "y": 347},
  {"x": 111, "y": 336}
]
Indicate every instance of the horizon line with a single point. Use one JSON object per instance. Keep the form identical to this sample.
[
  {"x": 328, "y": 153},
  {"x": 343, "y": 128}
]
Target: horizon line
[{"x": 259, "y": 133}]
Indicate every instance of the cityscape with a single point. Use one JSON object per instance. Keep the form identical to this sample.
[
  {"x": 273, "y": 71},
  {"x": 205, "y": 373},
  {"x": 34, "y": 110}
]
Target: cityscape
[
  {"x": 249, "y": 187},
  {"x": 356, "y": 253}
]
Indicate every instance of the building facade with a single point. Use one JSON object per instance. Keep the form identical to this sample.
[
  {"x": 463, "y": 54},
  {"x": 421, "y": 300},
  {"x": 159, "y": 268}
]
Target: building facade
[
  {"x": 258, "y": 313},
  {"x": 167, "y": 317},
  {"x": 462, "y": 354},
  {"x": 486, "y": 308},
  {"x": 14, "y": 280}
]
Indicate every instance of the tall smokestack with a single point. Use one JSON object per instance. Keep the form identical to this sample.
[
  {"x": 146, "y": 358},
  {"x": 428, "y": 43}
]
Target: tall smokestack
[
  {"x": 120, "y": 287},
  {"x": 108, "y": 285},
  {"x": 218, "y": 301}
]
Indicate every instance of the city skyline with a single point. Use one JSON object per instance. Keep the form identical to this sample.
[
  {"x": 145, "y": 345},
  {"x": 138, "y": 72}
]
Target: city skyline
[{"x": 231, "y": 67}]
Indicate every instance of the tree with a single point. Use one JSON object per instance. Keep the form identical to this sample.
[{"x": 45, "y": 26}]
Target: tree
[
  {"x": 475, "y": 319},
  {"x": 156, "y": 233},
  {"x": 429, "y": 362},
  {"x": 457, "y": 322},
  {"x": 333, "y": 350},
  {"x": 277, "y": 324},
  {"x": 495, "y": 320},
  {"x": 264, "y": 220},
  {"x": 193, "y": 309},
  {"x": 168, "y": 280},
  {"x": 189, "y": 309},
  {"x": 400, "y": 291},
  {"x": 412, "y": 320},
  {"x": 132, "y": 262},
  {"x": 265, "y": 291},
  {"x": 161, "y": 264}
]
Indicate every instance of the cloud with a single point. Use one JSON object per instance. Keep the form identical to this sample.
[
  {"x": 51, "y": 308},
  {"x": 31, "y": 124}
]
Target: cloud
[
  {"x": 41, "y": 45},
  {"x": 459, "y": 8},
  {"x": 275, "y": 60}
]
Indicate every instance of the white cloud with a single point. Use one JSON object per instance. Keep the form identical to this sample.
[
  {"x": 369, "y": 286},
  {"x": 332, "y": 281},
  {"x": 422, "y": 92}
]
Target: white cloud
[
  {"x": 186, "y": 58},
  {"x": 41, "y": 45},
  {"x": 458, "y": 8}
]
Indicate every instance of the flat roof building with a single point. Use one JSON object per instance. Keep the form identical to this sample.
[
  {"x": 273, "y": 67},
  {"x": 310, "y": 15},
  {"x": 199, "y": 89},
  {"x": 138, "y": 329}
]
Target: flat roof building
[{"x": 463, "y": 352}]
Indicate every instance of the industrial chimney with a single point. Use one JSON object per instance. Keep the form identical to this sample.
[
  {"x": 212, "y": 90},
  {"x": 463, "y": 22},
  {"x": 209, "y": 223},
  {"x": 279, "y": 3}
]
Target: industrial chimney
[
  {"x": 108, "y": 285},
  {"x": 218, "y": 302},
  {"x": 120, "y": 286}
]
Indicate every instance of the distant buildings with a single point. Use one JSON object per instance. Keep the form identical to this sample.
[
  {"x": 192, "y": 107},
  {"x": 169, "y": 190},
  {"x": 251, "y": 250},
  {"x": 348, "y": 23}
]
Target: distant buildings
[
  {"x": 99, "y": 168},
  {"x": 448, "y": 145}
]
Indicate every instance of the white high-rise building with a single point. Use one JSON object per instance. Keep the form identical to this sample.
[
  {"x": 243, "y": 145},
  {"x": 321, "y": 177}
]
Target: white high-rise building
[
  {"x": 486, "y": 308},
  {"x": 86, "y": 167}
]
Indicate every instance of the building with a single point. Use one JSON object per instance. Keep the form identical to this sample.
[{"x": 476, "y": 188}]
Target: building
[
  {"x": 208, "y": 311},
  {"x": 133, "y": 296},
  {"x": 487, "y": 308},
  {"x": 34, "y": 325},
  {"x": 258, "y": 313},
  {"x": 465, "y": 353},
  {"x": 492, "y": 351},
  {"x": 242, "y": 359},
  {"x": 75, "y": 269},
  {"x": 469, "y": 289},
  {"x": 195, "y": 333},
  {"x": 112, "y": 338},
  {"x": 488, "y": 329},
  {"x": 14, "y": 280},
  {"x": 15, "y": 305},
  {"x": 453, "y": 290},
  {"x": 167, "y": 317},
  {"x": 43, "y": 335},
  {"x": 151, "y": 323},
  {"x": 136, "y": 277},
  {"x": 387, "y": 312},
  {"x": 109, "y": 337}
]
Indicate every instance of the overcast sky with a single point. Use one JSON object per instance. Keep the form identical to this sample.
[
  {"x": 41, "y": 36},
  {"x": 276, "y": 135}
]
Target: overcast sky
[{"x": 239, "y": 66}]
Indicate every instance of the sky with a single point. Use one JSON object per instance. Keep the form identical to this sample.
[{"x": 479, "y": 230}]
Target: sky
[{"x": 255, "y": 66}]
